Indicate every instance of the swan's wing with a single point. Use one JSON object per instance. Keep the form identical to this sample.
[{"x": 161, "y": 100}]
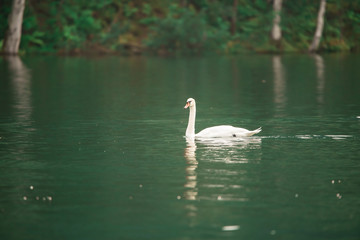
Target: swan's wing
[
  {"x": 218, "y": 131},
  {"x": 226, "y": 131}
]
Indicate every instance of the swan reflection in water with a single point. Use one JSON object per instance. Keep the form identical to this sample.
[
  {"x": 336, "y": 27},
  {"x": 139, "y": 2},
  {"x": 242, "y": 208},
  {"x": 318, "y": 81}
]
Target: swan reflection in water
[
  {"x": 192, "y": 164},
  {"x": 218, "y": 180}
]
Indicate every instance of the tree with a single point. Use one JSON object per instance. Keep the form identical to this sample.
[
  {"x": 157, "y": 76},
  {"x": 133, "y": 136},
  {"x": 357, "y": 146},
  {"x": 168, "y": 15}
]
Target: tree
[
  {"x": 13, "y": 35},
  {"x": 276, "y": 30},
  {"x": 319, "y": 27},
  {"x": 234, "y": 17}
]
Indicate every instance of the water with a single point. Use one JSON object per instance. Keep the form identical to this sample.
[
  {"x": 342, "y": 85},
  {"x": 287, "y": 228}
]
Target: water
[{"x": 93, "y": 148}]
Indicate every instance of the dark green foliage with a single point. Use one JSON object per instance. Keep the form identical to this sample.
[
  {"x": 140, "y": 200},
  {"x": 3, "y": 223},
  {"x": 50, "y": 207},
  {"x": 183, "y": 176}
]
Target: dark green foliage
[
  {"x": 194, "y": 26},
  {"x": 4, "y": 13},
  {"x": 255, "y": 23},
  {"x": 186, "y": 30}
]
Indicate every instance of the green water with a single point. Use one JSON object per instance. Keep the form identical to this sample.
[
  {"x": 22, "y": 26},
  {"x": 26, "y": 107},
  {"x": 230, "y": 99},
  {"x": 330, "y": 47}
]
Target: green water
[{"x": 94, "y": 148}]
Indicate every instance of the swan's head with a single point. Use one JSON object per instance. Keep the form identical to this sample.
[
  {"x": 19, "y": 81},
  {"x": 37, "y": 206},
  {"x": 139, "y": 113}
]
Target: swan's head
[{"x": 190, "y": 103}]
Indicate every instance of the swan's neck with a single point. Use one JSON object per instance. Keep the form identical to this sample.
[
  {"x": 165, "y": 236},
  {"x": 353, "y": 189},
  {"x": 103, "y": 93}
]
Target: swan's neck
[{"x": 190, "y": 130}]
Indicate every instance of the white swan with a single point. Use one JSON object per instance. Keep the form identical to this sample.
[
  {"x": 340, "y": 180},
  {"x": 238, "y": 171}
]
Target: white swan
[{"x": 222, "y": 131}]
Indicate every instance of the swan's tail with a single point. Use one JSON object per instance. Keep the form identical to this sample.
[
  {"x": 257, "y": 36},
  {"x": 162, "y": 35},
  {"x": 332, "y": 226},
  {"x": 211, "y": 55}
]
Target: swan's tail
[{"x": 254, "y": 132}]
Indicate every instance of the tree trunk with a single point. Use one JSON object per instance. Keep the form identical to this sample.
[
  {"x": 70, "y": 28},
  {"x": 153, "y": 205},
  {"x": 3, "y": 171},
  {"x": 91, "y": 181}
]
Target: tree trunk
[
  {"x": 13, "y": 34},
  {"x": 276, "y": 30},
  {"x": 234, "y": 17},
  {"x": 319, "y": 27}
]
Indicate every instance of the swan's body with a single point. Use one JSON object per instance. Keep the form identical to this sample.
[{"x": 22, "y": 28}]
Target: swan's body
[
  {"x": 226, "y": 131},
  {"x": 222, "y": 131}
]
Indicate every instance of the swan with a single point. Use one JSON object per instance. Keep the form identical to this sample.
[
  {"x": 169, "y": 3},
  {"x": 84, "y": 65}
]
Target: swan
[{"x": 221, "y": 131}]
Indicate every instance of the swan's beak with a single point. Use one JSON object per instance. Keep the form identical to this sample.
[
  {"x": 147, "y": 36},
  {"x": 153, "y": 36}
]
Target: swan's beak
[{"x": 187, "y": 105}]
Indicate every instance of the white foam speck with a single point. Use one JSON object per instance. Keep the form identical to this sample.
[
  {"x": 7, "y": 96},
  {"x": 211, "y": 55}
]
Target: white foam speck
[
  {"x": 339, "y": 137},
  {"x": 304, "y": 136},
  {"x": 272, "y": 232},
  {"x": 338, "y": 195},
  {"x": 231, "y": 228}
]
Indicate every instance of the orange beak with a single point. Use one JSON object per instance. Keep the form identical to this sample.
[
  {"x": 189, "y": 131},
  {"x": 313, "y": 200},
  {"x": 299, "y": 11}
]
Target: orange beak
[{"x": 187, "y": 105}]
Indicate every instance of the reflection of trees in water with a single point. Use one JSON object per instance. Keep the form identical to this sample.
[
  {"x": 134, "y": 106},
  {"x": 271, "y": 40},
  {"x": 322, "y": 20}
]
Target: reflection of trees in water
[
  {"x": 279, "y": 83},
  {"x": 320, "y": 73},
  {"x": 21, "y": 85},
  {"x": 18, "y": 130},
  {"x": 20, "y": 79}
]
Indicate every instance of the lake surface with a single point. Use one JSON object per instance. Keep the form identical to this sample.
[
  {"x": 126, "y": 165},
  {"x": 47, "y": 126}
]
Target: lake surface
[{"x": 94, "y": 148}]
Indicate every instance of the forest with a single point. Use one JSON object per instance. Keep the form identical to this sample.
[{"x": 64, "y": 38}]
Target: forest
[{"x": 185, "y": 26}]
